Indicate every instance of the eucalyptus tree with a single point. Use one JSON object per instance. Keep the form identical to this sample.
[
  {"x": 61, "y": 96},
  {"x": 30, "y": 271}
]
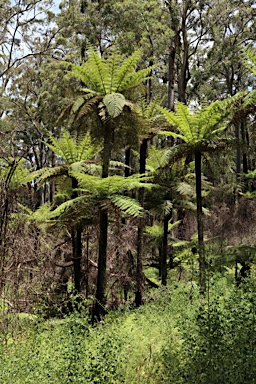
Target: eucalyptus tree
[
  {"x": 196, "y": 131},
  {"x": 20, "y": 22},
  {"x": 106, "y": 81}
]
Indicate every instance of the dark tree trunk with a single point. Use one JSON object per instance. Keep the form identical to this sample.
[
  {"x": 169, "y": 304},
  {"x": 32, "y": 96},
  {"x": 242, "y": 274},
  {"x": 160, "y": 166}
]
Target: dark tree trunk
[
  {"x": 165, "y": 250},
  {"x": 200, "y": 230},
  {"x": 100, "y": 303},
  {"x": 87, "y": 266},
  {"x": 52, "y": 183},
  {"x": 77, "y": 255},
  {"x": 76, "y": 235},
  {"x": 171, "y": 76},
  {"x": 127, "y": 162},
  {"x": 141, "y": 226},
  {"x": 160, "y": 252}
]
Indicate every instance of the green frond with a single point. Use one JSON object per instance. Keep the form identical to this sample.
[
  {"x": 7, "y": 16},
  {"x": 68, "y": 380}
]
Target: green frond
[
  {"x": 114, "y": 103},
  {"x": 127, "y": 205},
  {"x": 250, "y": 100},
  {"x": 72, "y": 206},
  {"x": 194, "y": 127},
  {"x": 73, "y": 150},
  {"x": 114, "y": 61},
  {"x": 156, "y": 231},
  {"x": 118, "y": 165},
  {"x": 186, "y": 189},
  {"x": 154, "y": 160},
  {"x": 127, "y": 68},
  {"x": 89, "y": 183},
  {"x": 186, "y": 122},
  {"x": 173, "y": 121},
  {"x": 136, "y": 79},
  {"x": 42, "y": 214},
  {"x": 93, "y": 73},
  {"x": 174, "y": 135},
  {"x": 65, "y": 147},
  {"x": 45, "y": 174},
  {"x": 250, "y": 174},
  {"x": 166, "y": 208}
]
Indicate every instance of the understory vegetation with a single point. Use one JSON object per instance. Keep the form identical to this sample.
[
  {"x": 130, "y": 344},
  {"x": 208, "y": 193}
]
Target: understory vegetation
[{"x": 175, "y": 338}]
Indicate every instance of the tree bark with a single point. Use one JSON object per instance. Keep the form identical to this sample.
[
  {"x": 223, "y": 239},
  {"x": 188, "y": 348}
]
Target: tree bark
[
  {"x": 76, "y": 236},
  {"x": 141, "y": 226},
  {"x": 77, "y": 255},
  {"x": 200, "y": 230},
  {"x": 165, "y": 250},
  {"x": 100, "y": 299}
]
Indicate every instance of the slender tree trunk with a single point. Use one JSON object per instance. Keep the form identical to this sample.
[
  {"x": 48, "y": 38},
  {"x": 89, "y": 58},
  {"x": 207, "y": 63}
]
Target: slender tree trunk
[
  {"x": 76, "y": 236},
  {"x": 165, "y": 250},
  {"x": 52, "y": 183},
  {"x": 77, "y": 255},
  {"x": 141, "y": 227},
  {"x": 160, "y": 252},
  {"x": 200, "y": 230},
  {"x": 171, "y": 77},
  {"x": 127, "y": 162},
  {"x": 100, "y": 304},
  {"x": 238, "y": 158},
  {"x": 87, "y": 266},
  {"x": 184, "y": 68},
  {"x": 164, "y": 254}
]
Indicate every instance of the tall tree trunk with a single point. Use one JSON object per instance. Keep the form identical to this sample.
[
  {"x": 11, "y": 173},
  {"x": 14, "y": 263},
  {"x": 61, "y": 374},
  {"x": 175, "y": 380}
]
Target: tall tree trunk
[
  {"x": 164, "y": 253},
  {"x": 200, "y": 230},
  {"x": 77, "y": 255},
  {"x": 76, "y": 236},
  {"x": 171, "y": 77},
  {"x": 238, "y": 158},
  {"x": 184, "y": 68},
  {"x": 100, "y": 303},
  {"x": 52, "y": 183},
  {"x": 141, "y": 227},
  {"x": 87, "y": 266},
  {"x": 165, "y": 250}
]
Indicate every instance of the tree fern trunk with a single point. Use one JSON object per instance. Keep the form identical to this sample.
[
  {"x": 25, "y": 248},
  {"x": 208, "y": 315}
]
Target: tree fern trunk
[
  {"x": 200, "y": 232},
  {"x": 165, "y": 250},
  {"x": 141, "y": 227},
  {"x": 100, "y": 303},
  {"x": 77, "y": 255},
  {"x": 76, "y": 235}
]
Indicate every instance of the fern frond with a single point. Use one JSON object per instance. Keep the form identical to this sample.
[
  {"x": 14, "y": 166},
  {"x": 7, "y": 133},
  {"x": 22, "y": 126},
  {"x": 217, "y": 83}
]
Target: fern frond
[
  {"x": 86, "y": 108},
  {"x": 93, "y": 73},
  {"x": 114, "y": 103},
  {"x": 127, "y": 205},
  {"x": 45, "y": 174},
  {"x": 186, "y": 189},
  {"x": 156, "y": 231},
  {"x": 114, "y": 61},
  {"x": 124, "y": 73}
]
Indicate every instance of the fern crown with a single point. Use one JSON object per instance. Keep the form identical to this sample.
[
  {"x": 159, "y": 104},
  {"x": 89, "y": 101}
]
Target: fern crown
[
  {"x": 195, "y": 127},
  {"x": 109, "y": 78}
]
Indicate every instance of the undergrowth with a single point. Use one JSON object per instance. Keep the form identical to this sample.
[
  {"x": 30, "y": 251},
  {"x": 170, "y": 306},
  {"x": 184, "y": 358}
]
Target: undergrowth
[{"x": 175, "y": 338}]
